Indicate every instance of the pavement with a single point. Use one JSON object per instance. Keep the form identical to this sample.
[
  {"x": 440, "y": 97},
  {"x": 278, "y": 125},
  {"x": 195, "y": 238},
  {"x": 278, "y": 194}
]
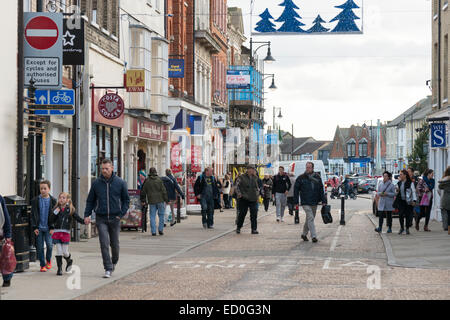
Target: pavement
[
  {"x": 137, "y": 251},
  {"x": 420, "y": 249}
]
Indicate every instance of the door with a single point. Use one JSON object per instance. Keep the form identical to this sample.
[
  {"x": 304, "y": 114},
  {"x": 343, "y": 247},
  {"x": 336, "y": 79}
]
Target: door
[{"x": 58, "y": 169}]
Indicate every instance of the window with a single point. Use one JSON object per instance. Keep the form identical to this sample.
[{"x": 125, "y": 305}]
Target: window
[
  {"x": 106, "y": 10},
  {"x": 362, "y": 148},
  {"x": 94, "y": 9},
  {"x": 351, "y": 149},
  {"x": 160, "y": 76}
]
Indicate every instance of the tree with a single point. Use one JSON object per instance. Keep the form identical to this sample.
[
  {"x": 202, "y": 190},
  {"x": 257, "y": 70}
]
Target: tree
[
  {"x": 419, "y": 157},
  {"x": 265, "y": 25},
  {"x": 317, "y": 27},
  {"x": 346, "y": 18},
  {"x": 289, "y": 17}
]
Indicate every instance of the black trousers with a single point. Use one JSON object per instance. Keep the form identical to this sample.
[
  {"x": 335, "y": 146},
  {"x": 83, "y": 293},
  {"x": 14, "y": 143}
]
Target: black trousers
[
  {"x": 266, "y": 202},
  {"x": 425, "y": 211},
  {"x": 405, "y": 214},
  {"x": 244, "y": 205},
  {"x": 226, "y": 200},
  {"x": 388, "y": 215}
]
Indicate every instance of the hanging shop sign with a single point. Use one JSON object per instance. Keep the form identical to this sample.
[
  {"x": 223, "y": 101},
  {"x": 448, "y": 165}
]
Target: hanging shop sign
[
  {"x": 438, "y": 135},
  {"x": 336, "y": 18},
  {"x": 135, "y": 81},
  {"x": 73, "y": 41},
  {"x": 111, "y": 106},
  {"x": 176, "y": 68},
  {"x": 219, "y": 120}
]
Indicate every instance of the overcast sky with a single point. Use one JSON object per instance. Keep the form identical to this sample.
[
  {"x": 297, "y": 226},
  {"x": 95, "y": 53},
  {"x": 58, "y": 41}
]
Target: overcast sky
[{"x": 329, "y": 80}]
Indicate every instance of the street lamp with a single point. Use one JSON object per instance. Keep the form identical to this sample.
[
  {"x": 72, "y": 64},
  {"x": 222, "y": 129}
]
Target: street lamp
[
  {"x": 272, "y": 87},
  {"x": 268, "y": 58},
  {"x": 279, "y": 116}
]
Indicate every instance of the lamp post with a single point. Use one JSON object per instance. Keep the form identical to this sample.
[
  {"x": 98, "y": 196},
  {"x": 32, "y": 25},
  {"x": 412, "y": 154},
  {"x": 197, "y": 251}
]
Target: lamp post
[
  {"x": 268, "y": 58},
  {"x": 279, "y": 116}
]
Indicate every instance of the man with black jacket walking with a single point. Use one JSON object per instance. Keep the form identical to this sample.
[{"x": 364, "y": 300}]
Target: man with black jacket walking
[
  {"x": 109, "y": 199},
  {"x": 309, "y": 187},
  {"x": 281, "y": 186},
  {"x": 248, "y": 192},
  {"x": 205, "y": 189},
  {"x": 172, "y": 188}
]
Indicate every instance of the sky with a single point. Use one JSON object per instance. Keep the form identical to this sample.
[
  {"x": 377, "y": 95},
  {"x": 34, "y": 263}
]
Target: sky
[{"x": 329, "y": 80}]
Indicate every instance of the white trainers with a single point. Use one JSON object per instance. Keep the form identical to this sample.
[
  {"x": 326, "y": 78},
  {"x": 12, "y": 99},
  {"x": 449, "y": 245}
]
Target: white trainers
[
  {"x": 107, "y": 274},
  {"x": 282, "y": 219}
]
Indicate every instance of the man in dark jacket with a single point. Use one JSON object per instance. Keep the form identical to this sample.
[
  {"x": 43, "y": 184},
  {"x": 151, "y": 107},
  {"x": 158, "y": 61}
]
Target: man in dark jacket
[
  {"x": 281, "y": 186},
  {"x": 172, "y": 188},
  {"x": 205, "y": 189},
  {"x": 5, "y": 233},
  {"x": 248, "y": 193},
  {"x": 155, "y": 194},
  {"x": 41, "y": 208},
  {"x": 109, "y": 199},
  {"x": 310, "y": 188},
  {"x": 267, "y": 191}
]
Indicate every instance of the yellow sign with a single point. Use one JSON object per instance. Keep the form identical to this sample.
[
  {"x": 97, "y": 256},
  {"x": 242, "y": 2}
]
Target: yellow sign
[{"x": 135, "y": 81}]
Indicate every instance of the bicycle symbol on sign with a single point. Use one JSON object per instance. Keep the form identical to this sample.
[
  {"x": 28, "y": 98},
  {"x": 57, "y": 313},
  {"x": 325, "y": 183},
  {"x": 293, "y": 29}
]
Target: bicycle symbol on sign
[{"x": 61, "y": 97}]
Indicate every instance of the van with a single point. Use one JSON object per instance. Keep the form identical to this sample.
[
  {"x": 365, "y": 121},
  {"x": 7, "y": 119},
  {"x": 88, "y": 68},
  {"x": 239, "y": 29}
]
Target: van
[{"x": 299, "y": 167}]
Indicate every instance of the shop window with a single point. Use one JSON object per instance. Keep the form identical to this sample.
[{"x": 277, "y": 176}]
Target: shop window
[{"x": 105, "y": 145}]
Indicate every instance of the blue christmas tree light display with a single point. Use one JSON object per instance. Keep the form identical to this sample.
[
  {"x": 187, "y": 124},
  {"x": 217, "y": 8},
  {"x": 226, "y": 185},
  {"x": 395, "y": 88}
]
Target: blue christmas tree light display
[
  {"x": 346, "y": 18},
  {"x": 289, "y": 17},
  {"x": 317, "y": 27},
  {"x": 265, "y": 25}
]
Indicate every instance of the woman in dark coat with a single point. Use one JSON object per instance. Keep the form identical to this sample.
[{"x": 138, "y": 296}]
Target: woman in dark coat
[{"x": 5, "y": 235}]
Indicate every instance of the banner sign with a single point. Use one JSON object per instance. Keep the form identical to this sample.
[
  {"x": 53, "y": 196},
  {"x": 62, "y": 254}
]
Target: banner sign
[
  {"x": 438, "y": 135},
  {"x": 73, "y": 41},
  {"x": 196, "y": 159},
  {"x": 176, "y": 68},
  {"x": 238, "y": 79},
  {"x": 175, "y": 157},
  {"x": 338, "y": 17}
]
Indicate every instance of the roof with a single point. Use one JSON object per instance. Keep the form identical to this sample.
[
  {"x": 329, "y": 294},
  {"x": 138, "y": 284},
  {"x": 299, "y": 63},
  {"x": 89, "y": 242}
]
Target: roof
[
  {"x": 286, "y": 144},
  {"x": 418, "y": 111},
  {"x": 309, "y": 147}
]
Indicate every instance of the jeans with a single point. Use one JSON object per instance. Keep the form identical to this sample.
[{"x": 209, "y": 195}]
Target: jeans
[
  {"x": 160, "y": 207},
  {"x": 244, "y": 205},
  {"x": 108, "y": 234},
  {"x": 445, "y": 218},
  {"x": 207, "y": 205},
  {"x": 226, "y": 200},
  {"x": 405, "y": 214},
  {"x": 44, "y": 236},
  {"x": 291, "y": 205},
  {"x": 281, "y": 200},
  {"x": 309, "y": 223},
  {"x": 388, "y": 215}
]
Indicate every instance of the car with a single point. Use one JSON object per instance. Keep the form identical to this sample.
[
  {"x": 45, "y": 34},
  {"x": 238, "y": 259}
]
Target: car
[
  {"x": 365, "y": 186},
  {"x": 374, "y": 204}
]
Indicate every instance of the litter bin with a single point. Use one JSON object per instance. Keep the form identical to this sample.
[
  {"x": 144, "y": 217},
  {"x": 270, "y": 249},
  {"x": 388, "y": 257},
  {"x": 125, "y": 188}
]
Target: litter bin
[{"x": 20, "y": 224}]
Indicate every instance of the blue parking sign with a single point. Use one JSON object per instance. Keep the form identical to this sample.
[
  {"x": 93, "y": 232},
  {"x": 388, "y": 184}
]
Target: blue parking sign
[{"x": 438, "y": 135}]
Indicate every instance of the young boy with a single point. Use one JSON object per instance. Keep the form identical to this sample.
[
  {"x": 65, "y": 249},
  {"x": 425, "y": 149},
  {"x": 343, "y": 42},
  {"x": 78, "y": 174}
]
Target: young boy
[{"x": 41, "y": 207}]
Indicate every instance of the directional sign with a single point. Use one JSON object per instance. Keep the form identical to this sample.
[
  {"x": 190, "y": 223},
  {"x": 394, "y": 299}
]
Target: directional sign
[
  {"x": 55, "y": 97},
  {"x": 43, "y": 49}
]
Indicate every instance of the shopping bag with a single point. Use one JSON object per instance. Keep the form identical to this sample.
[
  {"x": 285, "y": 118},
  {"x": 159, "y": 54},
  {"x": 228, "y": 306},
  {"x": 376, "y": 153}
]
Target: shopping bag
[
  {"x": 425, "y": 202},
  {"x": 8, "y": 258},
  {"x": 326, "y": 214}
]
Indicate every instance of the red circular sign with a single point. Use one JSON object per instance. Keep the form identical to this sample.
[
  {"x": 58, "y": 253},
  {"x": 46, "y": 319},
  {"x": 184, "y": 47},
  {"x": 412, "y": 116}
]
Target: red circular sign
[
  {"x": 111, "y": 106},
  {"x": 41, "y": 33}
]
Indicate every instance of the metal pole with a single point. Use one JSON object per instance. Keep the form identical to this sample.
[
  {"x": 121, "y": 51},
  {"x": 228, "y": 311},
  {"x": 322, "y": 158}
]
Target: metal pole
[
  {"x": 20, "y": 85},
  {"x": 439, "y": 55},
  {"x": 39, "y": 5},
  {"x": 178, "y": 209},
  {"x": 342, "y": 222},
  {"x": 292, "y": 144},
  {"x": 76, "y": 147}
]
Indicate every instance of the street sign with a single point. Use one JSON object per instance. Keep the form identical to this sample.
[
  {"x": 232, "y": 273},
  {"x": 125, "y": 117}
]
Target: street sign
[
  {"x": 73, "y": 42},
  {"x": 43, "y": 49},
  {"x": 438, "y": 135},
  {"x": 53, "y": 102}
]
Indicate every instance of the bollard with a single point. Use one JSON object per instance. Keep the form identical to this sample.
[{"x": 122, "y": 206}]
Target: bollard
[
  {"x": 342, "y": 210},
  {"x": 178, "y": 209}
]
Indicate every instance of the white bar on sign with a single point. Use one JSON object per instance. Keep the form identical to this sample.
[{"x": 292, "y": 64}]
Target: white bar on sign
[{"x": 42, "y": 33}]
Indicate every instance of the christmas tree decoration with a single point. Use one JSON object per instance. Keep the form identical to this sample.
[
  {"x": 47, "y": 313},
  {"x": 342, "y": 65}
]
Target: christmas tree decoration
[
  {"x": 289, "y": 17},
  {"x": 265, "y": 25},
  {"x": 346, "y": 18},
  {"x": 317, "y": 27}
]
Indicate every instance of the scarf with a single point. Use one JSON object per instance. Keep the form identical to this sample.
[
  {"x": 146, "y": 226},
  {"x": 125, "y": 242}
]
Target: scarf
[{"x": 430, "y": 183}]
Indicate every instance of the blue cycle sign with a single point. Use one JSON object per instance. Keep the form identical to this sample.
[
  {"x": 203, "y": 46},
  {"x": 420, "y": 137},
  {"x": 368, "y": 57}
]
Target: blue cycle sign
[
  {"x": 56, "y": 98},
  {"x": 438, "y": 135}
]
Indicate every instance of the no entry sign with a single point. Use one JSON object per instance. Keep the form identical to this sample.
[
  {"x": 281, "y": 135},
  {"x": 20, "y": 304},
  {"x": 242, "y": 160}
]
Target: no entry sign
[
  {"x": 41, "y": 33},
  {"x": 43, "y": 50}
]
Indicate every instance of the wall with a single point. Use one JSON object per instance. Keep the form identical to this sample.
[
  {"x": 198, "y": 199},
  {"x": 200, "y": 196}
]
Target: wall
[{"x": 8, "y": 107}]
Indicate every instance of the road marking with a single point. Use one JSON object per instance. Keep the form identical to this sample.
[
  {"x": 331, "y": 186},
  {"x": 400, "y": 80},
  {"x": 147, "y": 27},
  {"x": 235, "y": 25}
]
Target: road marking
[{"x": 334, "y": 243}]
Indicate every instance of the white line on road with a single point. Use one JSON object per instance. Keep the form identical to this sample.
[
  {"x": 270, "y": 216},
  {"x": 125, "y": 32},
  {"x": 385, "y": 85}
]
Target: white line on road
[{"x": 334, "y": 243}]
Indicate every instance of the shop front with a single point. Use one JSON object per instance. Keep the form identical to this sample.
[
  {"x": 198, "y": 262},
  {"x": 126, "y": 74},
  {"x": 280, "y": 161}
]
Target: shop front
[{"x": 145, "y": 147}]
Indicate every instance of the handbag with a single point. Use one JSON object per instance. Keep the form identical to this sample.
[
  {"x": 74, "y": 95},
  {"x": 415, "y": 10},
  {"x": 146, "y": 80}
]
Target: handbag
[
  {"x": 8, "y": 260},
  {"x": 425, "y": 200},
  {"x": 326, "y": 214}
]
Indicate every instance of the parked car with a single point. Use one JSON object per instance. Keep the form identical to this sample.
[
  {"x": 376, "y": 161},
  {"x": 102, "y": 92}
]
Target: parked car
[
  {"x": 366, "y": 186},
  {"x": 374, "y": 204}
]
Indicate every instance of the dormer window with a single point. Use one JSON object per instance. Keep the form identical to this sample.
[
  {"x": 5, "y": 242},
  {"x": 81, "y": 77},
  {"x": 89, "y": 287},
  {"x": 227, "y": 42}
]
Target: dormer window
[
  {"x": 363, "y": 150},
  {"x": 351, "y": 148}
]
